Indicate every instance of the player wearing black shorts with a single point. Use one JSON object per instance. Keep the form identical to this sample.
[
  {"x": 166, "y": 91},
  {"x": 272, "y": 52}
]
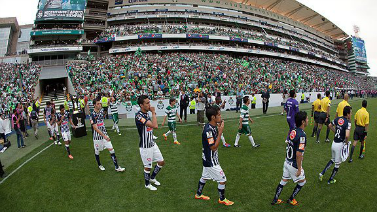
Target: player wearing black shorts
[
  {"x": 324, "y": 116},
  {"x": 361, "y": 130}
]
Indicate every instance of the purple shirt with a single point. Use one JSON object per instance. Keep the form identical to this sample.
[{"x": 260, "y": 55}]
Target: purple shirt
[{"x": 291, "y": 106}]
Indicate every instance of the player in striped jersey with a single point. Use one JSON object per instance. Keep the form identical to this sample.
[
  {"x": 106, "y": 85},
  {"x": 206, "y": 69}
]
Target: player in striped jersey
[
  {"x": 171, "y": 112},
  {"x": 100, "y": 138},
  {"x": 211, "y": 166},
  {"x": 149, "y": 150},
  {"x": 244, "y": 127},
  {"x": 114, "y": 114},
  {"x": 47, "y": 117},
  {"x": 63, "y": 117},
  {"x": 221, "y": 104},
  {"x": 54, "y": 129}
]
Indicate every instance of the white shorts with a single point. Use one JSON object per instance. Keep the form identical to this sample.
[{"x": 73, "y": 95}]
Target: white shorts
[
  {"x": 289, "y": 172},
  {"x": 214, "y": 173},
  {"x": 150, "y": 155},
  {"x": 336, "y": 152},
  {"x": 66, "y": 136},
  {"x": 100, "y": 145},
  {"x": 54, "y": 129}
]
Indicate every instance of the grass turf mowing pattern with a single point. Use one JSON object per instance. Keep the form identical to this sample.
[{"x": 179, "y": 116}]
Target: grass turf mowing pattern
[{"x": 52, "y": 182}]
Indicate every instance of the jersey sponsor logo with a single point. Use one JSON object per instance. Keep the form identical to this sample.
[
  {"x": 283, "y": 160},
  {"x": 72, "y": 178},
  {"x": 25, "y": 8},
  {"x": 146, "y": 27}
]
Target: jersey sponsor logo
[
  {"x": 302, "y": 140},
  {"x": 293, "y": 134},
  {"x": 341, "y": 122},
  {"x": 211, "y": 141},
  {"x": 302, "y": 147}
]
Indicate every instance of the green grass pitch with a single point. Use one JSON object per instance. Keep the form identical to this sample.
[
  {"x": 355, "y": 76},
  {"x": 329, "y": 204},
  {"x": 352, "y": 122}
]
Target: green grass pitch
[{"x": 52, "y": 182}]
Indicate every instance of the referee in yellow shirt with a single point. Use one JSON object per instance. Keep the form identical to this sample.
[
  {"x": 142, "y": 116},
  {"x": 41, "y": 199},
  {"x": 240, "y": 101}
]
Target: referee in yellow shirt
[
  {"x": 341, "y": 105},
  {"x": 316, "y": 110},
  {"x": 361, "y": 130},
  {"x": 324, "y": 116}
]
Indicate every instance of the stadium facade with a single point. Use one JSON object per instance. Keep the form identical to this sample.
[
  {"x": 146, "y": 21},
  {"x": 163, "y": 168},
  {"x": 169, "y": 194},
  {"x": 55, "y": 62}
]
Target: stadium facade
[{"x": 88, "y": 29}]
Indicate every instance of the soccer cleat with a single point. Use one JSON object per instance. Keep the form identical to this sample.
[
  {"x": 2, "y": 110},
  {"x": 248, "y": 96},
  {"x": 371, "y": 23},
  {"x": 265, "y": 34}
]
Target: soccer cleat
[
  {"x": 350, "y": 160},
  {"x": 237, "y": 145},
  {"x": 59, "y": 143},
  {"x": 320, "y": 177},
  {"x": 202, "y": 197},
  {"x": 226, "y": 145},
  {"x": 119, "y": 133},
  {"x": 176, "y": 142},
  {"x": 70, "y": 157},
  {"x": 23, "y": 146},
  {"x": 226, "y": 202},
  {"x": 277, "y": 202},
  {"x": 327, "y": 140},
  {"x": 256, "y": 145},
  {"x": 120, "y": 169},
  {"x": 154, "y": 181},
  {"x": 282, "y": 113},
  {"x": 155, "y": 137},
  {"x": 317, "y": 141},
  {"x": 293, "y": 202},
  {"x": 55, "y": 142},
  {"x": 165, "y": 137},
  {"x": 331, "y": 181},
  {"x": 151, "y": 187},
  {"x": 101, "y": 168},
  {"x": 361, "y": 157}
]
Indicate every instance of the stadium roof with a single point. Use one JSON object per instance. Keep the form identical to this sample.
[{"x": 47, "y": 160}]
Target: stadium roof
[{"x": 298, "y": 12}]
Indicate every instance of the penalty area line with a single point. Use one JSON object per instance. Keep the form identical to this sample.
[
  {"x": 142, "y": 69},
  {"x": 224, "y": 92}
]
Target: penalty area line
[{"x": 24, "y": 163}]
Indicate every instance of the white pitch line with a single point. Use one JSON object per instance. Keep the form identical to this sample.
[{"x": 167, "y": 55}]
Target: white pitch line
[{"x": 14, "y": 171}]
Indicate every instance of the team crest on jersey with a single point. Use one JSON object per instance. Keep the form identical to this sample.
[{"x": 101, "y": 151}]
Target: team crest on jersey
[
  {"x": 341, "y": 122},
  {"x": 160, "y": 105},
  {"x": 293, "y": 134},
  {"x": 209, "y": 134}
]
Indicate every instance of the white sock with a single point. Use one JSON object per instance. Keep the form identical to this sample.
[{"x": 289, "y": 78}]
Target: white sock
[
  {"x": 175, "y": 136},
  {"x": 117, "y": 128},
  {"x": 237, "y": 139},
  {"x": 167, "y": 133},
  {"x": 223, "y": 139},
  {"x": 251, "y": 140},
  {"x": 113, "y": 126}
]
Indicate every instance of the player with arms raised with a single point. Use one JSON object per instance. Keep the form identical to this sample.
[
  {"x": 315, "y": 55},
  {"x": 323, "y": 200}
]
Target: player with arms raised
[
  {"x": 211, "y": 166},
  {"x": 293, "y": 160}
]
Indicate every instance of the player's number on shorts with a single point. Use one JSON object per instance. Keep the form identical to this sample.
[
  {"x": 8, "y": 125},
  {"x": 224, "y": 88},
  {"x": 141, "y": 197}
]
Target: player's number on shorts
[{"x": 289, "y": 152}]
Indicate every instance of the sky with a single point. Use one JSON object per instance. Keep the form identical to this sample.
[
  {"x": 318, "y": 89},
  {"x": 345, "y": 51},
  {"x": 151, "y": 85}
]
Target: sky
[{"x": 343, "y": 13}]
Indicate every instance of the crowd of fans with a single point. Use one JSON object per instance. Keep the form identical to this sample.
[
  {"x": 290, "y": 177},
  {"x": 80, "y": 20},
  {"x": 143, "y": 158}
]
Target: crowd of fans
[
  {"x": 161, "y": 75},
  {"x": 126, "y": 30}
]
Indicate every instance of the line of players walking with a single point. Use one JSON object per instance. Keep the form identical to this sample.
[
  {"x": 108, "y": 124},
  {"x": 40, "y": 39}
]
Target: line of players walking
[{"x": 213, "y": 133}]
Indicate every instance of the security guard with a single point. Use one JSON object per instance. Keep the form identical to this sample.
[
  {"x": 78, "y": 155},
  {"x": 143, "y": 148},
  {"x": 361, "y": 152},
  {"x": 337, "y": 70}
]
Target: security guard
[
  {"x": 105, "y": 102},
  {"x": 192, "y": 105},
  {"x": 302, "y": 98},
  {"x": 324, "y": 116},
  {"x": 361, "y": 130},
  {"x": 253, "y": 101},
  {"x": 316, "y": 110},
  {"x": 341, "y": 105}
]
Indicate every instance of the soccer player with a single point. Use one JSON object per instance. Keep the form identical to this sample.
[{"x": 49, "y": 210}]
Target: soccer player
[
  {"x": 114, "y": 114},
  {"x": 171, "y": 111},
  {"x": 63, "y": 118},
  {"x": 47, "y": 116},
  {"x": 211, "y": 166},
  {"x": 100, "y": 138},
  {"x": 361, "y": 130},
  {"x": 341, "y": 126},
  {"x": 244, "y": 127},
  {"x": 221, "y": 104},
  {"x": 54, "y": 129},
  {"x": 293, "y": 160},
  {"x": 341, "y": 105},
  {"x": 316, "y": 110},
  {"x": 149, "y": 150},
  {"x": 324, "y": 116},
  {"x": 291, "y": 107}
]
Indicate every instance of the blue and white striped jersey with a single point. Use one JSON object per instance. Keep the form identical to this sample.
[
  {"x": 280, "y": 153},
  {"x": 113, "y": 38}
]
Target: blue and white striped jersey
[
  {"x": 98, "y": 118},
  {"x": 209, "y": 136},
  {"x": 145, "y": 132}
]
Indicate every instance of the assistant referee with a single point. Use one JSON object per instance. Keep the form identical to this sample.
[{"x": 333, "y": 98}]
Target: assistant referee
[{"x": 361, "y": 130}]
